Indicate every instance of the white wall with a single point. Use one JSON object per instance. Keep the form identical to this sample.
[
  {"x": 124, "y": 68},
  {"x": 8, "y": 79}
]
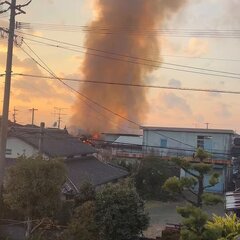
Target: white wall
[{"x": 17, "y": 148}]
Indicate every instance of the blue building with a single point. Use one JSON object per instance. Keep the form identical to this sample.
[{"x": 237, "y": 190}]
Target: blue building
[{"x": 183, "y": 142}]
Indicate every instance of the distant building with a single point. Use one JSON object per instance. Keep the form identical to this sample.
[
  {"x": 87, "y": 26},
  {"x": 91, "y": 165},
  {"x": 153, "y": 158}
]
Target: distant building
[
  {"x": 123, "y": 145},
  {"x": 183, "y": 142}
]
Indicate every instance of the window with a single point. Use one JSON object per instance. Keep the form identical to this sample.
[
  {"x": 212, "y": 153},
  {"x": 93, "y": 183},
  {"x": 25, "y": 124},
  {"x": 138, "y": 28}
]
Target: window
[
  {"x": 204, "y": 142},
  {"x": 200, "y": 142},
  {"x": 8, "y": 152},
  {"x": 163, "y": 143}
]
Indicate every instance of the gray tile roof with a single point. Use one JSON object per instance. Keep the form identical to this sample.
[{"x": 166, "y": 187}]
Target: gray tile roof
[
  {"x": 91, "y": 169},
  {"x": 88, "y": 168},
  {"x": 56, "y": 142}
]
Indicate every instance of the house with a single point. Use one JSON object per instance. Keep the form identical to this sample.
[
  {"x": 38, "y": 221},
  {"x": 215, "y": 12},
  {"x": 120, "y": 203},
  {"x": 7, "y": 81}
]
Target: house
[
  {"x": 183, "y": 142},
  {"x": 122, "y": 145},
  {"x": 79, "y": 158},
  {"x": 55, "y": 143},
  {"x": 92, "y": 170}
]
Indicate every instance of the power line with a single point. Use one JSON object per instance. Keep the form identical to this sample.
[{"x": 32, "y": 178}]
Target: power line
[
  {"x": 46, "y": 68},
  {"x": 130, "y": 84},
  {"x": 142, "y": 63},
  {"x": 193, "y": 148},
  {"x": 134, "y": 30},
  {"x": 84, "y": 98},
  {"x": 201, "y": 58},
  {"x": 135, "y": 60},
  {"x": 79, "y": 93}
]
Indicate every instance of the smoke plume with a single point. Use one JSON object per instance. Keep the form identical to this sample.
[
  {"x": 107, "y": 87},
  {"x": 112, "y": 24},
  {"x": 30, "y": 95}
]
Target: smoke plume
[{"x": 124, "y": 27}]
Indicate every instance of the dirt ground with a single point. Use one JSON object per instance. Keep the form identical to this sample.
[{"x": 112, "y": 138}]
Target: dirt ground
[{"x": 162, "y": 213}]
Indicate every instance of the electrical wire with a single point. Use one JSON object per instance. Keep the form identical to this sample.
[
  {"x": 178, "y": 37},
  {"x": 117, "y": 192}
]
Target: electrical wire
[
  {"x": 84, "y": 98},
  {"x": 46, "y": 68},
  {"x": 140, "y": 63},
  {"x": 130, "y": 84},
  {"x": 133, "y": 30},
  {"x": 213, "y": 151},
  {"x": 135, "y": 60},
  {"x": 201, "y": 58}
]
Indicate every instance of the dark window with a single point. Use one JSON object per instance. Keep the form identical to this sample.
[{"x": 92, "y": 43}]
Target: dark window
[
  {"x": 163, "y": 143},
  {"x": 200, "y": 142},
  {"x": 204, "y": 142},
  {"x": 8, "y": 151}
]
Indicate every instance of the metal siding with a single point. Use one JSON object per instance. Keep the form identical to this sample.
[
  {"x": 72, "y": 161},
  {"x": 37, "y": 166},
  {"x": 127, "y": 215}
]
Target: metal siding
[{"x": 221, "y": 142}]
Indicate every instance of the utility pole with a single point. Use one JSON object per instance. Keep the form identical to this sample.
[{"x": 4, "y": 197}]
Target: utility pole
[
  {"x": 40, "y": 144},
  {"x": 14, "y": 115},
  {"x": 33, "y": 114},
  {"x": 4, "y": 122},
  {"x": 14, "y": 10},
  {"x": 207, "y": 125},
  {"x": 60, "y": 114}
]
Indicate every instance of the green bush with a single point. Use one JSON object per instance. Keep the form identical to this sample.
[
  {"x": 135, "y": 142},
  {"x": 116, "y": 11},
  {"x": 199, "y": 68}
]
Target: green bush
[{"x": 152, "y": 174}]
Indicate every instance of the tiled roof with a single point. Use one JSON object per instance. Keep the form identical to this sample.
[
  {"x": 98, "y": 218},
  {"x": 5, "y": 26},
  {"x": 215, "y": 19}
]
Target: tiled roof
[
  {"x": 56, "y": 142},
  {"x": 91, "y": 169},
  {"x": 82, "y": 169}
]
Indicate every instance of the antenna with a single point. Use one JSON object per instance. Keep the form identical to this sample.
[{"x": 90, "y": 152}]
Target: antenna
[
  {"x": 14, "y": 115},
  {"x": 207, "y": 125},
  {"x": 59, "y": 114}
]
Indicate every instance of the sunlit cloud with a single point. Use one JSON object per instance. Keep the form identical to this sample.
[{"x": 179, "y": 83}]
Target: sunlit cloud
[{"x": 196, "y": 47}]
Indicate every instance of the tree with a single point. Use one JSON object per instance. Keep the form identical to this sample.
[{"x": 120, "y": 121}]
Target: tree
[
  {"x": 193, "y": 224},
  {"x": 194, "y": 218},
  {"x": 83, "y": 225},
  {"x": 86, "y": 193},
  {"x": 151, "y": 175},
  {"x": 120, "y": 212},
  {"x": 115, "y": 212},
  {"x": 33, "y": 188},
  {"x": 194, "y": 184}
]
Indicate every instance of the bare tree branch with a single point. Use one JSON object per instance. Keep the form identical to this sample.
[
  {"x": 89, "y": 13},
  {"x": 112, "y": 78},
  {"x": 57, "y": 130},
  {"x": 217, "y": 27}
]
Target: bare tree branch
[
  {"x": 3, "y": 11},
  {"x": 38, "y": 225},
  {"x": 24, "y": 5},
  {"x": 2, "y": 3}
]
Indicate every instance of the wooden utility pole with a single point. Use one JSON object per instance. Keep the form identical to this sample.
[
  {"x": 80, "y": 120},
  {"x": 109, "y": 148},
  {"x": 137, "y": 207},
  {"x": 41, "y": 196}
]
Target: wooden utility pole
[
  {"x": 14, "y": 10},
  {"x": 33, "y": 114},
  {"x": 6, "y": 99},
  {"x": 60, "y": 114}
]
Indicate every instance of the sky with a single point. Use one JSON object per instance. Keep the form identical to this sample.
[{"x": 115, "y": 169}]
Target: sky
[{"x": 170, "y": 108}]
